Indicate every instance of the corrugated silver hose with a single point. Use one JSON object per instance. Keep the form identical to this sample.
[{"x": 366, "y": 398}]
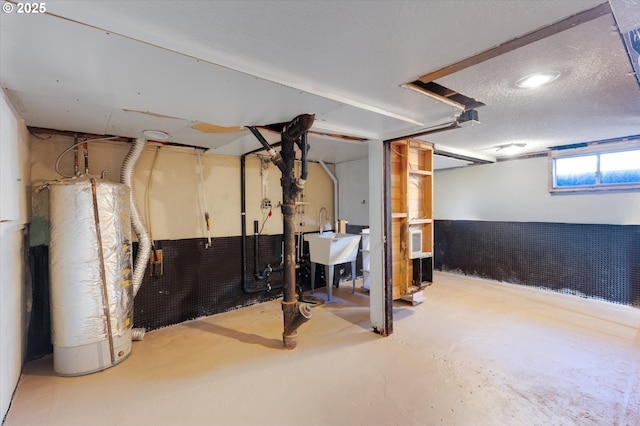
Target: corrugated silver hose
[{"x": 144, "y": 241}]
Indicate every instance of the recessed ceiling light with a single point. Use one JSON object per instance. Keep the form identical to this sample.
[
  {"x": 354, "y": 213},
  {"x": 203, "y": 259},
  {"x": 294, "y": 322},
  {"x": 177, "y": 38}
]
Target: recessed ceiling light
[
  {"x": 538, "y": 79},
  {"x": 155, "y": 135}
]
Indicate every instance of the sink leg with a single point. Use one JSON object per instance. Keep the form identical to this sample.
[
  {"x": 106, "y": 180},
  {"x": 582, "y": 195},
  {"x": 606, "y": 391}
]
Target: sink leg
[
  {"x": 313, "y": 277},
  {"x": 328, "y": 274},
  {"x": 353, "y": 275}
]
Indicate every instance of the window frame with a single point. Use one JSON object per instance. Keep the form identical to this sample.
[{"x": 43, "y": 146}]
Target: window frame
[{"x": 597, "y": 149}]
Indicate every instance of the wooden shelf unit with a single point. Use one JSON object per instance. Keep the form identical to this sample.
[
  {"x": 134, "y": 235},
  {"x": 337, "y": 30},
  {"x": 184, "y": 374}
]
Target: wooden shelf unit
[{"x": 411, "y": 210}]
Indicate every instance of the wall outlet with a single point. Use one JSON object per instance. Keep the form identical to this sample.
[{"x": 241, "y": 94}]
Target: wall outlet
[{"x": 266, "y": 204}]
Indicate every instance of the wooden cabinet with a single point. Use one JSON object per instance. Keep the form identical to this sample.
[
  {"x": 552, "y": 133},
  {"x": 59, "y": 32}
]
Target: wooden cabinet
[{"x": 412, "y": 218}]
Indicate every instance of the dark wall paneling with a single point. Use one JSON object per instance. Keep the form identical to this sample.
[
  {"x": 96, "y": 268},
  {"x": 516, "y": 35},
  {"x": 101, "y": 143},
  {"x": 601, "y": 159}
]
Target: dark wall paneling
[
  {"x": 196, "y": 282},
  {"x": 199, "y": 282},
  {"x": 601, "y": 261}
]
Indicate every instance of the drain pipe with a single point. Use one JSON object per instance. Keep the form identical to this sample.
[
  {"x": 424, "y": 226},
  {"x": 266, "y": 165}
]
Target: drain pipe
[
  {"x": 295, "y": 313},
  {"x": 304, "y": 147},
  {"x": 304, "y": 172},
  {"x": 335, "y": 194}
]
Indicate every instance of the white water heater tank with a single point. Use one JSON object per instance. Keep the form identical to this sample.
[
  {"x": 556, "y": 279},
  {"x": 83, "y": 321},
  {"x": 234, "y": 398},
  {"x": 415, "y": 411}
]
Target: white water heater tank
[{"x": 90, "y": 265}]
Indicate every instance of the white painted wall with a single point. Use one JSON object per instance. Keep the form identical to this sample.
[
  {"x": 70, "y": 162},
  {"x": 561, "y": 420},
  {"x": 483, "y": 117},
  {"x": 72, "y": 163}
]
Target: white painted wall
[
  {"x": 353, "y": 193},
  {"x": 14, "y": 214},
  {"x": 175, "y": 203},
  {"x": 517, "y": 191},
  {"x": 376, "y": 237}
]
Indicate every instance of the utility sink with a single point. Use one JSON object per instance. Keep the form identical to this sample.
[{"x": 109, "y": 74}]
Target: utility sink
[{"x": 330, "y": 248}]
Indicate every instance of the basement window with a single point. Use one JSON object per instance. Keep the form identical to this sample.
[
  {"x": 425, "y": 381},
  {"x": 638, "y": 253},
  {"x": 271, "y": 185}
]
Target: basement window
[{"x": 595, "y": 168}]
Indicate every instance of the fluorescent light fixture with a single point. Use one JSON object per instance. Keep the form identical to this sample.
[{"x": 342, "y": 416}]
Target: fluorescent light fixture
[
  {"x": 537, "y": 79},
  {"x": 155, "y": 135}
]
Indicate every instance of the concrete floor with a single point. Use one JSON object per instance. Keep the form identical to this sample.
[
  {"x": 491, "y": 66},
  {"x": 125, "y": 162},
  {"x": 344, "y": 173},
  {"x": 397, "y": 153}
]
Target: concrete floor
[{"x": 474, "y": 353}]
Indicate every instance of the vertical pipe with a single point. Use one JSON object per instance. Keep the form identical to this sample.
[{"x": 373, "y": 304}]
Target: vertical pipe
[
  {"x": 148, "y": 195},
  {"x": 266, "y": 286},
  {"x": 85, "y": 151},
  {"x": 294, "y": 313},
  {"x": 76, "y": 167},
  {"x": 256, "y": 239},
  {"x": 204, "y": 200},
  {"x": 304, "y": 147},
  {"x": 103, "y": 274},
  {"x": 335, "y": 194},
  {"x": 288, "y": 212},
  {"x": 243, "y": 220}
]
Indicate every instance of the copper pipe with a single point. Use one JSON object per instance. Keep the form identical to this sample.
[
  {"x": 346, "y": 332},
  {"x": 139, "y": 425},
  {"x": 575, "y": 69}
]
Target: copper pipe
[
  {"x": 85, "y": 151},
  {"x": 76, "y": 168},
  {"x": 103, "y": 274}
]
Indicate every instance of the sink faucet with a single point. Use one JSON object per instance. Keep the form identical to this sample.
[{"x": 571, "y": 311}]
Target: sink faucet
[{"x": 320, "y": 222}]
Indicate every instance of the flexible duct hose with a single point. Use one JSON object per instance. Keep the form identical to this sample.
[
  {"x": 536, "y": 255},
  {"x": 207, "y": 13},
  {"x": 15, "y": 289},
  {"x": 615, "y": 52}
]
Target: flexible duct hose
[
  {"x": 137, "y": 334},
  {"x": 144, "y": 247}
]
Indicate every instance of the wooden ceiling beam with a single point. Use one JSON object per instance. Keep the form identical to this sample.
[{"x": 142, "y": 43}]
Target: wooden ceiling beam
[{"x": 565, "y": 24}]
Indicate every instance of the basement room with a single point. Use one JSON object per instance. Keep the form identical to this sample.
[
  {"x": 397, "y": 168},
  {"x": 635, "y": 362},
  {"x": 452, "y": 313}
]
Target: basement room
[{"x": 348, "y": 212}]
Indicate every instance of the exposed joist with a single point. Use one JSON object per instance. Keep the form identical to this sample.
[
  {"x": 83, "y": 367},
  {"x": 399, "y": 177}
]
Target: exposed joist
[
  {"x": 565, "y": 24},
  {"x": 40, "y": 130}
]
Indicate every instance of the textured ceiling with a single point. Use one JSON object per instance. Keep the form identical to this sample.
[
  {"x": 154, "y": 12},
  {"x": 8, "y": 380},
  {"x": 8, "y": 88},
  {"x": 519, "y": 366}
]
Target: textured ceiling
[
  {"x": 595, "y": 98},
  {"x": 120, "y": 67}
]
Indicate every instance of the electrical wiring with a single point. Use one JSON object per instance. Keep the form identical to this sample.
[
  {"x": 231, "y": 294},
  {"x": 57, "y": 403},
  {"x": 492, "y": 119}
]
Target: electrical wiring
[
  {"x": 148, "y": 192},
  {"x": 265, "y": 221}
]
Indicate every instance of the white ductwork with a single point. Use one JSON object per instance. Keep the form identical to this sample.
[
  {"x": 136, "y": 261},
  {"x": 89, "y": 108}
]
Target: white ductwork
[
  {"x": 144, "y": 241},
  {"x": 335, "y": 194}
]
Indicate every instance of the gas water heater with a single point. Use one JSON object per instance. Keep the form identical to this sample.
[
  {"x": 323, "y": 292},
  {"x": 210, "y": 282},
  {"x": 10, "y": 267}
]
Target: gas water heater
[{"x": 90, "y": 264}]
